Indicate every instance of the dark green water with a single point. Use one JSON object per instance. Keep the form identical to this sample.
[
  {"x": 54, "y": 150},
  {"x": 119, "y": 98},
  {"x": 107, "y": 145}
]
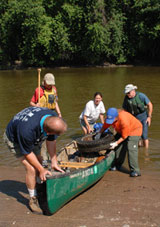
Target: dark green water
[{"x": 76, "y": 86}]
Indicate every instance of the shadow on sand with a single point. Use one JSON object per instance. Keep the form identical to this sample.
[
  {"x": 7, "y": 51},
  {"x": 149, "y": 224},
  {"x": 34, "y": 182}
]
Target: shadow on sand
[{"x": 14, "y": 189}]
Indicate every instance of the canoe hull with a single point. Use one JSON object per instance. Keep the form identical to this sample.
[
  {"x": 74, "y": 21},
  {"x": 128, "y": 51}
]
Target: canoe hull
[{"x": 58, "y": 190}]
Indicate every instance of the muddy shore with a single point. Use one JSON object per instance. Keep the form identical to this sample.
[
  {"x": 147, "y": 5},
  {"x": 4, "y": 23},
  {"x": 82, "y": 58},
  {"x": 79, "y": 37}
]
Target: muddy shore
[{"x": 116, "y": 200}]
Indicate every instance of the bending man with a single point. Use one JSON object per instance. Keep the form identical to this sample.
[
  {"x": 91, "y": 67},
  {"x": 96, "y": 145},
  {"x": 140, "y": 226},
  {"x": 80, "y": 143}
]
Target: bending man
[
  {"x": 24, "y": 136},
  {"x": 129, "y": 130}
]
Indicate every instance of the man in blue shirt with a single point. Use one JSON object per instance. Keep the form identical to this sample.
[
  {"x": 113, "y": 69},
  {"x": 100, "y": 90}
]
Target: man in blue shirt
[
  {"x": 24, "y": 136},
  {"x": 139, "y": 105}
]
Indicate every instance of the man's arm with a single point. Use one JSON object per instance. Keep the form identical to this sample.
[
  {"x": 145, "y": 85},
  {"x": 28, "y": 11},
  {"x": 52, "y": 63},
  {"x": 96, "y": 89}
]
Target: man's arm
[
  {"x": 147, "y": 102},
  {"x": 34, "y": 104},
  {"x": 58, "y": 110},
  {"x": 34, "y": 99},
  {"x": 150, "y": 110},
  {"x": 51, "y": 147},
  {"x": 32, "y": 159}
]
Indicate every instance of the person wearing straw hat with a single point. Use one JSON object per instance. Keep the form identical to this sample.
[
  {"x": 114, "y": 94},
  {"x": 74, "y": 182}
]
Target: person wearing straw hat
[
  {"x": 139, "y": 105},
  {"x": 46, "y": 96}
]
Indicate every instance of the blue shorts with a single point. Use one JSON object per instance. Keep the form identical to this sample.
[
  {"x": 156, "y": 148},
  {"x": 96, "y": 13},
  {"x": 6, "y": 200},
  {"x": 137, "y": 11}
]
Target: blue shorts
[
  {"x": 143, "y": 118},
  {"x": 145, "y": 130}
]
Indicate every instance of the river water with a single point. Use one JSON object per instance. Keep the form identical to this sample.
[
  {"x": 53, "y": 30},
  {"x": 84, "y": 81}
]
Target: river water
[{"x": 76, "y": 86}]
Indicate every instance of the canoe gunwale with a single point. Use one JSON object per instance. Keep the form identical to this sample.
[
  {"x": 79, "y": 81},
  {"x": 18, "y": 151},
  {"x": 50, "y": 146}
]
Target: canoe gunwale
[{"x": 61, "y": 175}]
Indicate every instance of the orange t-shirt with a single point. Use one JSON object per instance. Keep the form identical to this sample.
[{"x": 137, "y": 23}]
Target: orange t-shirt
[{"x": 126, "y": 125}]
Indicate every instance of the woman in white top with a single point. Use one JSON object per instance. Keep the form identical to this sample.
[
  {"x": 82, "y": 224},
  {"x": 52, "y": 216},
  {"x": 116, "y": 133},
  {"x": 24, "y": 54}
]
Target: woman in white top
[{"x": 94, "y": 109}]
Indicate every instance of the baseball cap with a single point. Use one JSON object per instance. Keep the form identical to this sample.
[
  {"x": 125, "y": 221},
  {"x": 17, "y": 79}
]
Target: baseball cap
[
  {"x": 129, "y": 87},
  {"x": 112, "y": 113},
  {"x": 49, "y": 79}
]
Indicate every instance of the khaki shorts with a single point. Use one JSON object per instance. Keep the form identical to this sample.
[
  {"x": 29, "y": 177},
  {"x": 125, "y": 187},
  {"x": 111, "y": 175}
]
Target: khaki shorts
[
  {"x": 83, "y": 124},
  {"x": 15, "y": 148}
]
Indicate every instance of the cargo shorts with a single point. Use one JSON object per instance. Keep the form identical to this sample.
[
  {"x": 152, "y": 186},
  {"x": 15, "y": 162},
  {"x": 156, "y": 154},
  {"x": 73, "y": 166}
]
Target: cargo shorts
[
  {"x": 15, "y": 148},
  {"x": 82, "y": 123}
]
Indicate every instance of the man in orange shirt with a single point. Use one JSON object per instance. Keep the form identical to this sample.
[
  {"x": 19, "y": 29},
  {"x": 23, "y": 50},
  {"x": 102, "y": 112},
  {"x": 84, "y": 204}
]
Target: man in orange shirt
[{"x": 129, "y": 131}]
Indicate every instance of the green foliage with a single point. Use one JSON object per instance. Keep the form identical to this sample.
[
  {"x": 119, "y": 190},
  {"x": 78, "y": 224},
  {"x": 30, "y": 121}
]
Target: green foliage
[
  {"x": 25, "y": 30},
  {"x": 47, "y": 32},
  {"x": 142, "y": 29},
  {"x": 148, "y": 26},
  {"x": 105, "y": 37},
  {"x": 60, "y": 45}
]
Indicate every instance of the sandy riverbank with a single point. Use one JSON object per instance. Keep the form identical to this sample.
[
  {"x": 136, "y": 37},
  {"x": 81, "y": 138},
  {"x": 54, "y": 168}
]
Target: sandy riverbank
[{"x": 116, "y": 200}]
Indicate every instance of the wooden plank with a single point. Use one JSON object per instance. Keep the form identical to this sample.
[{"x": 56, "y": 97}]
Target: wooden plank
[
  {"x": 100, "y": 158},
  {"x": 75, "y": 164},
  {"x": 78, "y": 163}
]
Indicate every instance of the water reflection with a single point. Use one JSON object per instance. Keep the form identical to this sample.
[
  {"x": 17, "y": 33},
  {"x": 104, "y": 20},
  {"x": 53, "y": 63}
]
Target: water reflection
[
  {"x": 150, "y": 159},
  {"x": 76, "y": 87}
]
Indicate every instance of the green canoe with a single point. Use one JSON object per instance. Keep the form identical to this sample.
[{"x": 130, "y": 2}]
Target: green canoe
[{"x": 81, "y": 171}]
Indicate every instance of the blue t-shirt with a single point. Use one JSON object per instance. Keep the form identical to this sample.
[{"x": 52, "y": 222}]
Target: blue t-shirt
[
  {"x": 144, "y": 98},
  {"x": 26, "y": 130}
]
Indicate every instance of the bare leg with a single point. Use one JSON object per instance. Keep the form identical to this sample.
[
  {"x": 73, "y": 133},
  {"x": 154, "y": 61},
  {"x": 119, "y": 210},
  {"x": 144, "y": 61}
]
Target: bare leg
[
  {"x": 84, "y": 130},
  {"x": 140, "y": 143},
  {"x": 31, "y": 186},
  {"x": 146, "y": 143},
  {"x": 30, "y": 174}
]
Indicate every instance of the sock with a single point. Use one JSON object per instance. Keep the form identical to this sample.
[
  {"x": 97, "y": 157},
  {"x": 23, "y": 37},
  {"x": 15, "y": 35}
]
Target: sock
[{"x": 32, "y": 192}]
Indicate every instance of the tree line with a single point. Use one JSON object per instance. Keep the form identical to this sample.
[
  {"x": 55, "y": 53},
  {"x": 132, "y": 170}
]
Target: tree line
[{"x": 79, "y": 32}]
